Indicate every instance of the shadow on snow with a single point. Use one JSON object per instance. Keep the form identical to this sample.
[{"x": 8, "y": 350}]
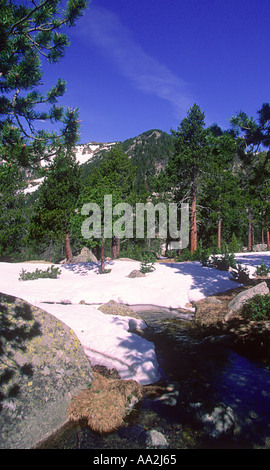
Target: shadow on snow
[
  {"x": 211, "y": 281},
  {"x": 83, "y": 268}
]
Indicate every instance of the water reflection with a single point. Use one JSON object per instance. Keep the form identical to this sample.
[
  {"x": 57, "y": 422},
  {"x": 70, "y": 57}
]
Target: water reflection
[{"x": 209, "y": 371}]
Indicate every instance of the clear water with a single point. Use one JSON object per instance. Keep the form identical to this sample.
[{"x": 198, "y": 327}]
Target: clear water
[
  {"x": 206, "y": 371},
  {"x": 209, "y": 371}
]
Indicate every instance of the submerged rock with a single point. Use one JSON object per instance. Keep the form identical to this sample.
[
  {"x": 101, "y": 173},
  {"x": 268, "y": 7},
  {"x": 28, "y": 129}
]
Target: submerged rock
[
  {"x": 218, "y": 422},
  {"x": 114, "y": 308},
  {"x": 155, "y": 440}
]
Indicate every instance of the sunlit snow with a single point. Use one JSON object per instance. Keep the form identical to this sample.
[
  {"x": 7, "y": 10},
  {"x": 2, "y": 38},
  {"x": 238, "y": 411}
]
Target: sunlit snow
[{"x": 107, "y": 339}]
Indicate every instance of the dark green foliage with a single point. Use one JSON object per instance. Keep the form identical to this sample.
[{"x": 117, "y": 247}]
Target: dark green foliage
[
  {"x": 227, "y": 188},
  {"x": 146, "y": 267},
  {"x": 147, "y": 262},
  {"x": 28, "y": 31},
  {"x": 234, "y": 245},
  {"x": 224, "y": 261},
  {"x": 190, "y": 153},
  {"x": 200, "y": 254},
  {"x": 254, "y": 138},
  {"x": 14, "y": 215},
  {"x": 51, "y": 273},
  {"x": 262, "y": 270},
  {"x": 114, "y": 176},
  {"x": 186, "y": 255},
  {"x": 222, "y": 196},
  {"x": 135, "y": 248},
  {"x": 48, "y": 250},
  {"x": 257, "y": 308},
  {"x": 240, "y": 274},
  {"x": 254, "y": 134},
  {"x": 56, "y": 201},
  {"x": 148, "y": 153}
]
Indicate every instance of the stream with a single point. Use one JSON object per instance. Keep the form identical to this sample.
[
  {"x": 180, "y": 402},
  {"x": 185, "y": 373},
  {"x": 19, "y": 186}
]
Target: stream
[
  {"x": 201, "y": 373},
  {"x": 209, "y": 372}
]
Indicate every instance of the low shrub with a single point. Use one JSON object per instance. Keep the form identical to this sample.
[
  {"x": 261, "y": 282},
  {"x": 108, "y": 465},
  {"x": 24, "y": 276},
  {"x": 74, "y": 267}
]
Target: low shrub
[
  {"x": 200, "y": 254},
  {"x": 203, "y": 254},
  {"x": 147, "y": 262},
  {"x": 262, "y": 269},
  {"x": 240, "y": 273},
  {"x": 235, "y": 246},
  {"x": 224, "y": 261},
  {"x": 257, "y": 308},
  {"x": 136, "y": 251},
  {"x": 186, "y": 255},
  {"x": 51, "y": 273}
]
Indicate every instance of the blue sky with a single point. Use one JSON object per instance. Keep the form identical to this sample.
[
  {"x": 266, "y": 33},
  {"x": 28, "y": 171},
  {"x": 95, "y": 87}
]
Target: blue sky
[{"x": 135, "y": 65}]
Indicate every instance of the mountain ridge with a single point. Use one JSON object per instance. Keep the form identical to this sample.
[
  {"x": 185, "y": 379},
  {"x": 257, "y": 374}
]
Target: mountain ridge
[
  {"x": 94, "y": 147},
  {"x": 149, "y": 151}
]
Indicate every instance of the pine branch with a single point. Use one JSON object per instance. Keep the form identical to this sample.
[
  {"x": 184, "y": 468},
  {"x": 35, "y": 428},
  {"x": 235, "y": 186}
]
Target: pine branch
[{"x": 31, "y": 12}]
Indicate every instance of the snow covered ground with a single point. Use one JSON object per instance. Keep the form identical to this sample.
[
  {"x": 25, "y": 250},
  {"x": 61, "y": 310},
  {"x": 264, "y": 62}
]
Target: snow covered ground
[{"x": 107, "y": 340}]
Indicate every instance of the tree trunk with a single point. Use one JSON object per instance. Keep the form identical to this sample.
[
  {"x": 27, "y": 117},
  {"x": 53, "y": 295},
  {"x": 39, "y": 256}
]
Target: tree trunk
[
  {"x": 102, "y": 265},
  {"x": 219, "y": 231},
  {"x": 68, "y": 248},
  {"x": 267, "y": 233},
  {"x": 115, "y": 247},
  {"x": 193, "y": 225},
  {"x": 249, "y": 233}
]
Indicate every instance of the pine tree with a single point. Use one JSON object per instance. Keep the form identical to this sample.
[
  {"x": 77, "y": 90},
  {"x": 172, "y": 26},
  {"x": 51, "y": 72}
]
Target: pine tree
[
  {"x": 14, "y": 215},
  {"x": 29, "y": 31},
  {"x": 221, "y": 194},
  {"x": 187, "y": 162},
  {"x": 56, "y": 202},
  {"x": 254, "y": 137},
  {"x": 113, "y": 176}
]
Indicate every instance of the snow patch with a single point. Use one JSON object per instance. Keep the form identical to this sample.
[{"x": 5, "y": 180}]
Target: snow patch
[{"x": 108, "y": 339}]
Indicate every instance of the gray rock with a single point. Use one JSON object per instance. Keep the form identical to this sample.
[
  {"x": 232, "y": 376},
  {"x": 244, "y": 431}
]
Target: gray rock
[
  {"x": 85, "y": 256},
  {"x": 136, "y": 273},
  {"x": 155, "y": 440},
  {"x": 171, "y": 395},
  {"x": 115, "y": 308},
  {"x": 237, "y": 303},
  {"x": 260, "y": 247},
  {"x": 214, "y": 300},
  {"x": 43, "y": 366}
]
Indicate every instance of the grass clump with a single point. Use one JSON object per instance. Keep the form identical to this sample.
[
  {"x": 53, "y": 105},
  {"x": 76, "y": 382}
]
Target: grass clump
[
  {"x": 106, "y": 404},
  {"x": 51, "y": 273}
]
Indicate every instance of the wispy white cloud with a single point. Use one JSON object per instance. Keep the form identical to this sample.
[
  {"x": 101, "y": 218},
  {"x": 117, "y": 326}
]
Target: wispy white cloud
[{"x": 103, "y": 28}]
